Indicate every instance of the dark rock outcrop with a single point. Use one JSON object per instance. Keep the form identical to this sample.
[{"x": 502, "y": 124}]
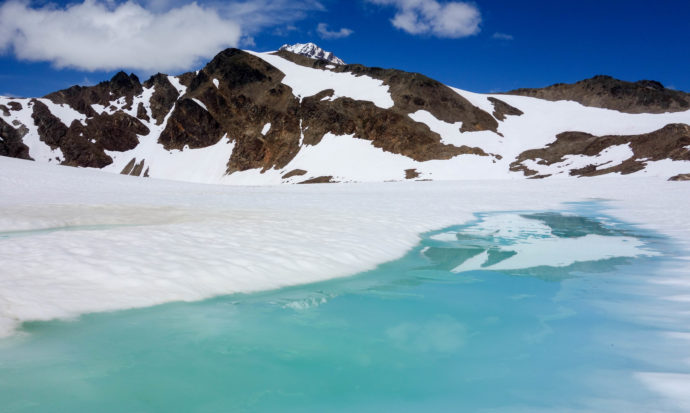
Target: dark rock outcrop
[
  {"x": 670, "y": 142},
  {"x": 141, "y": 112},
  {"x": 319, "y": 180},
  {"x": 11, "y": 141},
  {"x": 163, "y": 98},
  {"x": 644, "y": 96},
  {"x": 84, "y": 145},
  {"x": 502, "y": 109},
  {"x": 680, "y": 177},
  {"x": 411, "y": 173},
  {"x": 50, "y": 128},
  {"x": 80, "y": 98},
  {"x": 294, "y": 172},
  {"x": 190, "y": 125}
]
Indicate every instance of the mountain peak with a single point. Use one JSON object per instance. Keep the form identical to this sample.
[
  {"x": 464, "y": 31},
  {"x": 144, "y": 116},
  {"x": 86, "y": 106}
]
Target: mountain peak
[{"x": 312, "y": 51}]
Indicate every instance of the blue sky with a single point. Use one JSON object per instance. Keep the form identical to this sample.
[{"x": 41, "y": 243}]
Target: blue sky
[{"x": 482, "y": 46}]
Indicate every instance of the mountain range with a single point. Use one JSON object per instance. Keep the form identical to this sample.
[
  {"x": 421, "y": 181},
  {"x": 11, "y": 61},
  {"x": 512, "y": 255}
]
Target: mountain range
[{"x": 301, "y": 115}]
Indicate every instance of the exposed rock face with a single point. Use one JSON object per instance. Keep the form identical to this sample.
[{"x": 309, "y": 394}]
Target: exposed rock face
[
  {"x": 141, "y": 112},
  {"x": 388, "y": 130},
  {"x": 190, "y": 125},
  {"x": 670, "y": 142},
  {"x": 116, "y": 132},
  {"x": 645, "y": 96},
  {"x": 502, "y": 109},
  {"x": 81, "y": 98},
  {"x": 11, "y": 141},
  {"x": 50, "y": 127},
  {"x": 84, "y": 145},
  {"x": 164, "y": 96},
  {"x": 249, "y": 95}
]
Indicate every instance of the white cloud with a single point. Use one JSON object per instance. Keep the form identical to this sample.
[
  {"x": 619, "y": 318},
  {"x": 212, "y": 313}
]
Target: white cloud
[
  {"x": 92, "y": 36},
  {"x": 502, "y": 36},
  {"x": 450, "y": 19},
  {"x": 161, "y": 35},
  {"x": 323, "y": 31}
]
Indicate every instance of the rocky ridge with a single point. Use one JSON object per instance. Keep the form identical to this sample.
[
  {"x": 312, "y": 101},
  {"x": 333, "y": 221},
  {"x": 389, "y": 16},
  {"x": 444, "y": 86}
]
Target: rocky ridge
[{"x": 644, "y": 96}]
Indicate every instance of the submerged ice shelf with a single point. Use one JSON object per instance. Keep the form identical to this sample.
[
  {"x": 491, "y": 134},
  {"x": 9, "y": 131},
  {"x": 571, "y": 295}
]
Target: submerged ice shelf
[{"x": 417, "y": 332}]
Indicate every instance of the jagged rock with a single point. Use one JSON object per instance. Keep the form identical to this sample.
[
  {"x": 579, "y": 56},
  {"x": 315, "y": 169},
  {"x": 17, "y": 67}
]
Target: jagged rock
[
  {"x": 80, "y": 98},
  {"x": 116, "y": 132},
  {"x": 11, "y": 141},
  {"x": 163, "y": 98},
  {"x": 84, "y": 145},
  {"x": 644, "y": 96},
  {"x": 133, "y": 168}
]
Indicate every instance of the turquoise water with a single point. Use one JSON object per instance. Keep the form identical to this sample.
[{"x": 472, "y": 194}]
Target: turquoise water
[{"x": 469, "y": 320}]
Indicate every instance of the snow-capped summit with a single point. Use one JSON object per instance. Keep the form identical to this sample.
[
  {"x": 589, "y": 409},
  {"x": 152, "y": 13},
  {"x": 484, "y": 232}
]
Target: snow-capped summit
[{"x": 313, "y": 51}]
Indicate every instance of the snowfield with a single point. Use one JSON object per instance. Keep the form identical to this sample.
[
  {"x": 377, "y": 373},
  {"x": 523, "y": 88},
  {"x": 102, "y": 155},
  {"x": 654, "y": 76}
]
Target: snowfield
[{"x": 74, "y": 241}]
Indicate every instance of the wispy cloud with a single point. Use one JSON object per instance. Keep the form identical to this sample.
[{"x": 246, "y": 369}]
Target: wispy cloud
[
  {"x": 502, "y": 36},
  {"x": 323, "y": 31},
  {"x": 156, "y": 35},
  {"x": 453, "y": 19}
]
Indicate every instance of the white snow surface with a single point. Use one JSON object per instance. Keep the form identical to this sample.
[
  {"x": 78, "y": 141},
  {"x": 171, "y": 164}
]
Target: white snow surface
[
  {"x": 74, "y": 240},
  {"x": 306, "y": 81}
]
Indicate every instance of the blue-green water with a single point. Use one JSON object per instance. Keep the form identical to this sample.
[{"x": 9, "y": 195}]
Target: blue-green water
[{"x": 418, "y": 333}]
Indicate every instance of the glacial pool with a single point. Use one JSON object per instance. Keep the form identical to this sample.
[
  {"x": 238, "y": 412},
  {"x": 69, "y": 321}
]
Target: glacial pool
[{"x": 514, "y": 311}]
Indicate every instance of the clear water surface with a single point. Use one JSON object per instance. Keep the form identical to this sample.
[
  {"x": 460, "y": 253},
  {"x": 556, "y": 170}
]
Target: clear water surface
[{"x": 515, "y": 311}]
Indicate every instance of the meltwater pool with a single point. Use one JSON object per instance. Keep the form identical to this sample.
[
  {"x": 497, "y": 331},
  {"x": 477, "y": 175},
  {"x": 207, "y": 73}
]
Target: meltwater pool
[{"x": 515, "y": 311}]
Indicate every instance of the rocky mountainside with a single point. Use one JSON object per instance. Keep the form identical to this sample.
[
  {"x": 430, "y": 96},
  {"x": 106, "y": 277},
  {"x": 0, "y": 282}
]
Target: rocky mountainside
[
  {"x": 283, "y": 117},
  {"x": 644, "y": 96},
  {"x": 312, "y": 51}
]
